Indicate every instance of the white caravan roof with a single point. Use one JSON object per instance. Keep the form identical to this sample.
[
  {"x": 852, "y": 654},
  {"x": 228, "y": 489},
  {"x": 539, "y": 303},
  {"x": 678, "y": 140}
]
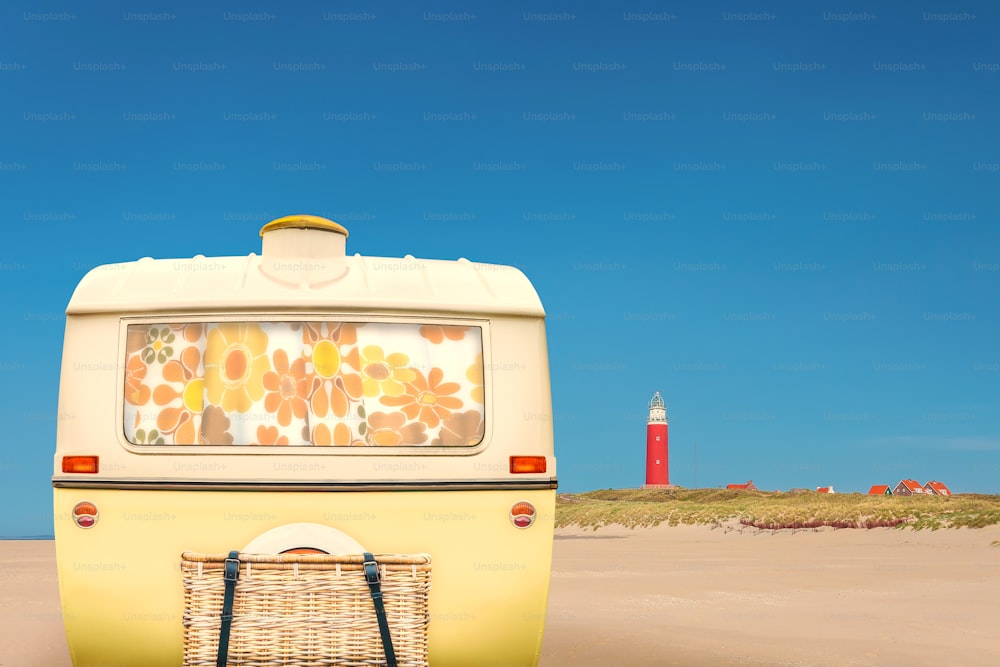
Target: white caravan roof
[{"x": 303, "y": 267}]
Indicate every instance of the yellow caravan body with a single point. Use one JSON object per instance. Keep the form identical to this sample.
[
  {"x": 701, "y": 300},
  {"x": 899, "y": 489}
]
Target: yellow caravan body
[{"x": 304, "y": 399}]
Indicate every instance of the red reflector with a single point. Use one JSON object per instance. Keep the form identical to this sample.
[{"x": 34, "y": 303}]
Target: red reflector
[
  {"x": 522, "y": 464},
  {"x": 86, "y": 521},
  {"x": 80, "y": 464},
  {"x": 522, "y": 521}
]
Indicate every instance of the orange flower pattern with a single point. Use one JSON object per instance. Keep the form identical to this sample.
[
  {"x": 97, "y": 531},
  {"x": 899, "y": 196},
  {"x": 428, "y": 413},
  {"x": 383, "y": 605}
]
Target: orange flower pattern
[
  {"x": 391, "y": 430},
  {"x": 341, "y": 384},
  {"x": 287, "y": 387},
  {"x": 268, "y": 435},
  {"x": 136, "y": 392},
  {"x": 437, "y": 334},
  {"x": 182, "y": 398},
  {"x": 427, "y": 399}
]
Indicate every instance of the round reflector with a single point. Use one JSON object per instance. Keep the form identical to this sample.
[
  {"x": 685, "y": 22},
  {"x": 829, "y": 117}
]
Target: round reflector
[
  {"x": 522, "y": 514},
  {"x": 85, "y": 514}
]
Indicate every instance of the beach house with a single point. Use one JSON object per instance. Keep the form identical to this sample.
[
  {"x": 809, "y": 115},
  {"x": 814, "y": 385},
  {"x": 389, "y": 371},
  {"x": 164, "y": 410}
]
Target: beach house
[
  {"x": 749, "y": 486},
  {"x": 937, "y": 489},
  {"x": 908, "y": 487},
  {"x": 880, "y": 490}
]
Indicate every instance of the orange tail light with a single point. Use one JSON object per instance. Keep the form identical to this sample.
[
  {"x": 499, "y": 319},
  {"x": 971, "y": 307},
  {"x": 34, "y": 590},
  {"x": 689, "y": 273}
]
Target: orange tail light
[
  {"x": 85, "y": 464},
  {"x": 527, "y": 464}
]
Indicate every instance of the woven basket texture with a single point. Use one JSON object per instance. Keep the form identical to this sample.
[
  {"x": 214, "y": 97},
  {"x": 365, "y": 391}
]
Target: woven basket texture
[{"x": 305, "y": 610}]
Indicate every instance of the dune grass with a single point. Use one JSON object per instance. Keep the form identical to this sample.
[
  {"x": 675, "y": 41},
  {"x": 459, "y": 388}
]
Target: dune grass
[{"x": 650, "y": 507}]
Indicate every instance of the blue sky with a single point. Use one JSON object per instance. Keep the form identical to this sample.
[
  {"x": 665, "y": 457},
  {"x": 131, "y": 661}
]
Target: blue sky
[{"x": 781, "y": 215}]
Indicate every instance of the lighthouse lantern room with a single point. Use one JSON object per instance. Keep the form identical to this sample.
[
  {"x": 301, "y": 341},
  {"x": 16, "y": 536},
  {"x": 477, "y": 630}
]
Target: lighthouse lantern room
[{"x": 657, "y": 449}]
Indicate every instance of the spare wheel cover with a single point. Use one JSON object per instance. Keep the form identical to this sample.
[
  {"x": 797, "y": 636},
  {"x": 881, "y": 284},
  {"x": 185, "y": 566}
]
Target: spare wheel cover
[{"x": 303, "y": 535}]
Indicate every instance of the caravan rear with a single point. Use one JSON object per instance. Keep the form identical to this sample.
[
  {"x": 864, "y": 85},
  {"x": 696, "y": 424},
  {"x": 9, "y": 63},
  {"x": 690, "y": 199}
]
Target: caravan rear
[{"x": 304, "y": 400}]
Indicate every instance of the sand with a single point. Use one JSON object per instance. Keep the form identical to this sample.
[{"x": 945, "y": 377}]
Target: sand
[
  {"x": 692, "y": 596},
  {"x": 695, "y": 596}
]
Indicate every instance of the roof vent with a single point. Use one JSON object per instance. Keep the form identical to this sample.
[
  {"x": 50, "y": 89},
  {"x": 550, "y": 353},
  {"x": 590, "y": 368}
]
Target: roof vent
[
  {"x": 304, "y": 251},
  {"x": 303, "y": 236}
]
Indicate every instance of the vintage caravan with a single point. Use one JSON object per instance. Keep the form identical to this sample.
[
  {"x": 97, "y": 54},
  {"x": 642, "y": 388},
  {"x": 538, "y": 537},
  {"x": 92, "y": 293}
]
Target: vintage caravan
[{"x": 304, "y": 400}]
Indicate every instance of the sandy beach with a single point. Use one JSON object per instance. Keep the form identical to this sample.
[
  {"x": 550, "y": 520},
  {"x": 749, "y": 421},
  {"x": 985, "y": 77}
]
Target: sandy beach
[{"x": 691, "y": 596}]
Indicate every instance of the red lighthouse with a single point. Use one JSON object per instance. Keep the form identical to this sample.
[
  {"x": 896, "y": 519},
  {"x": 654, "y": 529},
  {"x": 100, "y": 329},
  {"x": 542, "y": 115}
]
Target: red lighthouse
[{"x": 657, "y": 451}]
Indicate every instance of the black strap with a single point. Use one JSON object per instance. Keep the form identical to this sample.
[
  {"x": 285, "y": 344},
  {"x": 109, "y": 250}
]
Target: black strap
[
  {"x": 371, "y": 576},
  {"x": 232, "y": 575}
]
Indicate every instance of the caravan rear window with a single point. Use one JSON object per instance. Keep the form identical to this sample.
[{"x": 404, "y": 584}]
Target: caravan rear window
[{"x": 379, "y": 384}]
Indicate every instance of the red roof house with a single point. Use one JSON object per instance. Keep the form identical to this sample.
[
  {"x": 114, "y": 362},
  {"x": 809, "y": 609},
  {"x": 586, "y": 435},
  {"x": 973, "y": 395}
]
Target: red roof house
[
  {"x": 937, "y": 489},
  {"x": 825, "y": 489},
  {"x": 749, "y": 486},
  {"x": 908, "y": 487},
  {"x": 880, "y": 490}
]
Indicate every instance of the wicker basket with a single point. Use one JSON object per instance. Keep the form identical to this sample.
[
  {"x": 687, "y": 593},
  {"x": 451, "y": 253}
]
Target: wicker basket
[{"x": 305, "y": 610}]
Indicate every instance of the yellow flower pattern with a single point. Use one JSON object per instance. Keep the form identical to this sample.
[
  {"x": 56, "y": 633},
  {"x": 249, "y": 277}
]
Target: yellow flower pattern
[
  {"x": 235, "y": 362},
  {"x": 339, "y": 384},
  {"x": 381, "y": 374}
]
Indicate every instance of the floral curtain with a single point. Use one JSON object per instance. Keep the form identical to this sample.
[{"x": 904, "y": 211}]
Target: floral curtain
[{"x": 303, "y": 383}]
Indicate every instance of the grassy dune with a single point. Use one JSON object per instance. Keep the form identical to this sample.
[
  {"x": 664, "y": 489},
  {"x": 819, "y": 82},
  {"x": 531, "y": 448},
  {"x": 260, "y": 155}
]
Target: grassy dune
[{"x": 651, "y": 507}]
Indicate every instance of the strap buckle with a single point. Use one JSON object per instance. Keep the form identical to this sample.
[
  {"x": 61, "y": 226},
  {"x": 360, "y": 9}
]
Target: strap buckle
[
  {"x": 371, "y": 572},
  {"x": 232, "y": 569}
]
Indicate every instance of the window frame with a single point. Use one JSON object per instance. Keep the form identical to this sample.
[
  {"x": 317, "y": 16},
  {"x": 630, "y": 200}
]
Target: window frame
[{"x": 483, "y": 324}]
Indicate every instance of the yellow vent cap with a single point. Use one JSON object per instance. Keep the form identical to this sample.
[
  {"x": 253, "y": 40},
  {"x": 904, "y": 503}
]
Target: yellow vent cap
[{"x": 303, "y": 222}]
